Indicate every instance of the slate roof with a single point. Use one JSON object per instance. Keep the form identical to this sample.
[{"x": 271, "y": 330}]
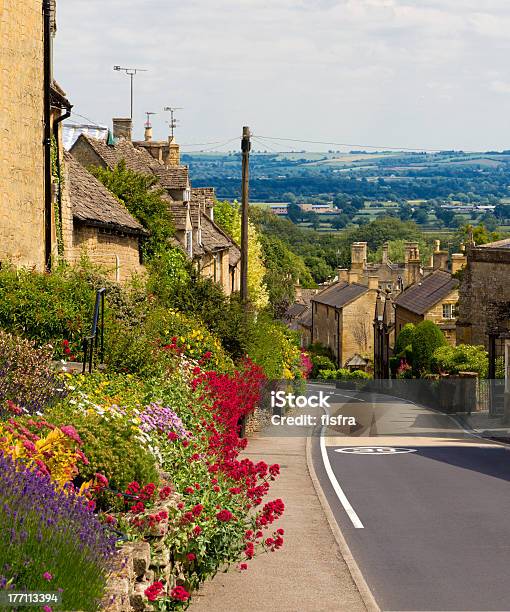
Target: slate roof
[
  {"x": 138, "y": 160},
  {"x": 203, "y": 196},
  {"x": 422, "y": 296},
  {"x": 294, "y": 310},
  {"x": 306, "y": 318},
  {"x": 499, "y": 244},
  {"x": 92, "y": 204},
  {"x": 340, "y": 294},
  {"x": 213, "y": 238},
  {"x": 179, "y": 212}
]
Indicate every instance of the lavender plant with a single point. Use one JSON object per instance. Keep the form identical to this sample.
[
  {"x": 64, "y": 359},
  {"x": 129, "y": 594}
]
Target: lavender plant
[
  {"x": 50, "y": 540},
  {"x": 26, "y": 376}
]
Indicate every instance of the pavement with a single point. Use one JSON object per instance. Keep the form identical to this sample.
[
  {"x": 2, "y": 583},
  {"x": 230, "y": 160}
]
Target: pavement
[{"x": 309, "y": 574}]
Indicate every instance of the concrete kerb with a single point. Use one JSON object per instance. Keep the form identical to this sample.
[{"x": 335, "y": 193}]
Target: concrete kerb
[{"x": 358, "y": 578}]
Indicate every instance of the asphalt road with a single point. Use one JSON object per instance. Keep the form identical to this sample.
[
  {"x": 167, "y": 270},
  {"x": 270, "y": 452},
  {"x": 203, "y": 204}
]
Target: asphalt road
[{"x": 433, "y": 530}]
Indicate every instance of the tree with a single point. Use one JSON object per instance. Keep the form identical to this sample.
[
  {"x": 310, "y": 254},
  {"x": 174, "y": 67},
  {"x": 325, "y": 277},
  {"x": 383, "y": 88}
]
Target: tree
[
  {"x": 340, "y": 221},
  {"x": 144, "y": 200},
  {"x": 426, "y": 338},
  {"x": 228, "y": 217}
]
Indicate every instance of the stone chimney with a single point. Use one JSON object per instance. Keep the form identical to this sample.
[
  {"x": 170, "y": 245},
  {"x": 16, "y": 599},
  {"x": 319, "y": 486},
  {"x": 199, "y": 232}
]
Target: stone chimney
[
  {"x": 343, "y": 274},
  {"x": 148, "y": 132},
  {"x": 358, "y": 256},
  {"x": 440, "y": 258},
  {"x": 173, "y": 155},
  {"x": 459, "y": 261},
  {"x": 373, "y": 282},
  {"x": 123, "y": 128},
  {"x": 410, "y": 248},
  {"x": 353, "y": 277},
  {"x": 413, "y": 266},
  {"x": 385, "y": 253}
]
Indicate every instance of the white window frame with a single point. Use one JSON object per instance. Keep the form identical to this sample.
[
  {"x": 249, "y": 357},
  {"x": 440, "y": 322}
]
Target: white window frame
[{"x": 448, "y": 309}]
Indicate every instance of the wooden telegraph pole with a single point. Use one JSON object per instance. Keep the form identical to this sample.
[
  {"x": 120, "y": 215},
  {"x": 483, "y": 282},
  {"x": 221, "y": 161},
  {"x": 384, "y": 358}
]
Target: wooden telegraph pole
[{"x": 245, "y": 148}]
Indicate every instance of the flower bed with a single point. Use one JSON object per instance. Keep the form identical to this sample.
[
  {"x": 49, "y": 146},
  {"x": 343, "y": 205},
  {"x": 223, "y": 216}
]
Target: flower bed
[{"x": 158, "y": 461}]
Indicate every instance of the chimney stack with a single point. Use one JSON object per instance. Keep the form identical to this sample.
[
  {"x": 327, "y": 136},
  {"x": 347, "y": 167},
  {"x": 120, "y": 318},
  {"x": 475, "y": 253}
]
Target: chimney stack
[
  {"x": 173, "y": 157},
  {"x": 459, "y": 261},
  {"x": 148, "y": 133},
  {"x": 123, "y": 128},
  {"x": 353, "y": 277},
  {"x": 385, "y": 253},
  {"x": 413, "y": 264},
  {"x": 359, "y": 252},
  {"x": 343, "y": 275},
  {"x": 373, "y": 282}
]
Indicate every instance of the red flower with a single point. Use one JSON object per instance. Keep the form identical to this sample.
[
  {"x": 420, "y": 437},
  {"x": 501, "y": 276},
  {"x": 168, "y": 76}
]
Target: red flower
[
  {"x": 197, "y": 530},
  {"x": 189, "y": 490},
  {"x": 224, "y": 516},
  {"x": 179, "y": 593},
  {"x": 154, "y": 591},
  {"x": 197, "y": 510},
  {"x": 70, "y": 432},
  {"x": 243, "y": 566},
  {"x": 172, "y": 436},
  {"x": 165, "y": 492},
  {"x": 191, "y": 557}
]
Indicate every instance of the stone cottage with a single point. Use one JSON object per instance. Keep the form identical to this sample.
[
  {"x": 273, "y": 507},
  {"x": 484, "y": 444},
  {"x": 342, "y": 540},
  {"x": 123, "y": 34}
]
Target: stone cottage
[
  {"x": 342, "y": 319},
  {"x": 484, "y": 293},
  {"x": 434, "y": 298},
  {"x": 97, "y": 225},
  {"x": 213, "y": 252},
  {"x": 28, "y": 97}
]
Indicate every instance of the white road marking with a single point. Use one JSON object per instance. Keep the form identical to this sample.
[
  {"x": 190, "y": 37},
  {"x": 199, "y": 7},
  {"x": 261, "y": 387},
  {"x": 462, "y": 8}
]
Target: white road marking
[
  {"x": 374, "y": 450},
  {"x": 351, "y": 513}
]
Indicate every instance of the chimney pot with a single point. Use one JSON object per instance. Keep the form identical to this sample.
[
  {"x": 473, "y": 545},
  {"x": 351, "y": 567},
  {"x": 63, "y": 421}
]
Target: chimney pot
[
  {"x": 148, "y": 133},
  {"x": 343, "y": 274},
  {"x": 373, "y": 282},
  {"x": 353, "y": 277}
]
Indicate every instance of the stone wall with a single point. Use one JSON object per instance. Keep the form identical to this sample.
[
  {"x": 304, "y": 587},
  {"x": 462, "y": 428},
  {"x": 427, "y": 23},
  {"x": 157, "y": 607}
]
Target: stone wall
[
  {"x": 138, "y": 565},
  {"x": 21, "y": 133},
  {"x": 357, "y": 332},
  {"x": 325, "y": 326},
  {"x": 117, "y": 253},
  {"x": 484, "y": 290}
]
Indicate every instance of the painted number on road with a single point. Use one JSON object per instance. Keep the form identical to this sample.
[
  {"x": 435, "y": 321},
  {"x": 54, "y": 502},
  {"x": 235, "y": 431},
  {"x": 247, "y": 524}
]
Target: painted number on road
[{"x": 374, "y": 450}]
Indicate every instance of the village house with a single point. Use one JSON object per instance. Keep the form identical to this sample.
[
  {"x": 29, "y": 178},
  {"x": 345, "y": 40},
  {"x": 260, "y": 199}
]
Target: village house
[
  {"x": 433, "y": 298},
  {"x": 484, "y": 293},
  {"x": 30, "y": 103},
  {"x": 342, "y": 317},
  {"x": 213, "y": 252},
  {"x": 97, "y": 225}
]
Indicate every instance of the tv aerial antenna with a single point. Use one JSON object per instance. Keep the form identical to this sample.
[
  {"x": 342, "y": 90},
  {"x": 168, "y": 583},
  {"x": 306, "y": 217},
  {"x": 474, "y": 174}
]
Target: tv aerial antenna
[
  {"x": 173, "y": 121},
  {"x": 148, "y": 123}
]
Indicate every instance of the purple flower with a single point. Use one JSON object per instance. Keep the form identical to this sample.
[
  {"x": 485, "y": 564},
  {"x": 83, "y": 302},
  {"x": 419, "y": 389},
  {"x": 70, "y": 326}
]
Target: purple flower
[
  {"x": 47, "y": 576},
  {"x": 161, "y": 419}
]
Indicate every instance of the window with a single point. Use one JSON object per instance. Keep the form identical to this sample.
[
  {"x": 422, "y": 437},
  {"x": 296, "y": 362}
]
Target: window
[
  {"x": 448, "y": 312},
  {"x": 189, "y": 242}
]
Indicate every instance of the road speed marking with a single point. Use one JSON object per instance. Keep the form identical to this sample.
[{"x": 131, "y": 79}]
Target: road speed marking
[{"x": 374, "y": 450}]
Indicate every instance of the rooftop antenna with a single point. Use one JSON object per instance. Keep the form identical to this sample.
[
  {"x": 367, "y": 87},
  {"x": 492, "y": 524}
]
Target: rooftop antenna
[
  {"x": 148, "y": 123},
  {"x": 173, "y": 121},
  {"x": 131, "y": 73}
]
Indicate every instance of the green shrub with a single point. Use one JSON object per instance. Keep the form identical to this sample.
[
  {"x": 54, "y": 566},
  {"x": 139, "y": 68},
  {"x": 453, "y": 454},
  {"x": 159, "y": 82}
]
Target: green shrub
[
  {"x": 461, "y": 358},
  {"x": 26, "y": 375},
  {"x": 110, "y": 444},
  {"x": 320, "y": 364},
  {"x": 404, "y": 339},
  {"x": 426, "y": 338}
]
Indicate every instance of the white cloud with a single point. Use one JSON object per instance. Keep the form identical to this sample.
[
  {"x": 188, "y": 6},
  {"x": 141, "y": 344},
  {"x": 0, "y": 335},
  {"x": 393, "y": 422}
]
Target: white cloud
[{"x": 384, "y": 71}]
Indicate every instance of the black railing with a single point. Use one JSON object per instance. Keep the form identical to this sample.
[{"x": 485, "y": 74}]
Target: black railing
[{"x": 96, "y": 337}]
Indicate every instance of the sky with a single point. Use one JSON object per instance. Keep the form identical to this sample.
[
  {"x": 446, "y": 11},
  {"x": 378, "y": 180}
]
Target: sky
[{"x": 425, "y": 74}]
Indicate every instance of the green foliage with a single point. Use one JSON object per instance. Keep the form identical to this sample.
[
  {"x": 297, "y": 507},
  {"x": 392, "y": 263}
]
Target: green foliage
[
  {"x": 284, "y": 270},
  {"x": 228, "y": 216},
  {"x": 404, "y": 338},
  {"x": 426, "y": 338},
  {"x": 144, "y": 201},
  {"x": 344, "y": 375},
  {"x": 321, "y": 363},
  {"x": 461, "y": 358},
  {"x": 481, "y": 235},
  {"x": 111, "y": 445}
]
